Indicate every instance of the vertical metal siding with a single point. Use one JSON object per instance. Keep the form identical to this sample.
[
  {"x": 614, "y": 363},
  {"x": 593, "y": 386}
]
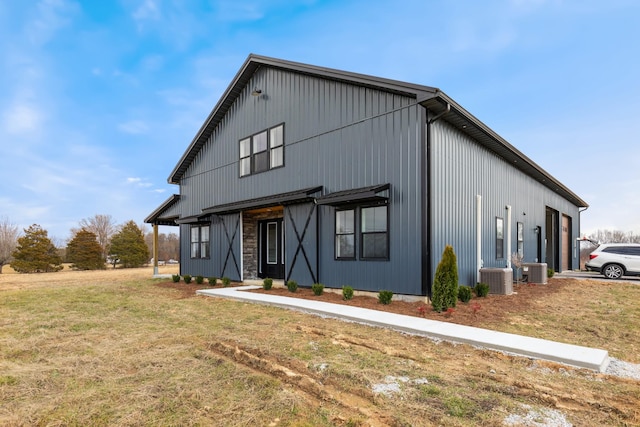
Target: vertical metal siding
[
  {"x": 337, "y": 135},
  {"x": 463, "y": 169}
]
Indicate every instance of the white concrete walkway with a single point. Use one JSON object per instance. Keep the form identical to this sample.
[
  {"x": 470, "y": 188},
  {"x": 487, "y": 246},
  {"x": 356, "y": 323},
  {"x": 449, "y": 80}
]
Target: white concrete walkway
[{"x": 582, "y": 357}]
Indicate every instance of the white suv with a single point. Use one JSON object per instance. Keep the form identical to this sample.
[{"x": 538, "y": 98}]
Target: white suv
[{"x": 615, "y": 260}]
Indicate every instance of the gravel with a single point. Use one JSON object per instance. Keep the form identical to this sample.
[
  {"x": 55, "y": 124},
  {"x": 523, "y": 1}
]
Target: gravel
[{"x": 623, "y": 369}]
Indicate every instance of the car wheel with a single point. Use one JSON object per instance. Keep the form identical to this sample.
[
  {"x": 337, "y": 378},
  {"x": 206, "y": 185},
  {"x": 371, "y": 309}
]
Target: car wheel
[{"x": 613, "y": 271}]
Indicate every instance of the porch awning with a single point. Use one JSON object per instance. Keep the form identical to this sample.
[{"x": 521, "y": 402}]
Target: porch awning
[
  {"x": 298, "y": 196},
  {"x": 162, "y": 214},
  {"x": 356, "y": 195},
  {"x": 193, "y": 219}
]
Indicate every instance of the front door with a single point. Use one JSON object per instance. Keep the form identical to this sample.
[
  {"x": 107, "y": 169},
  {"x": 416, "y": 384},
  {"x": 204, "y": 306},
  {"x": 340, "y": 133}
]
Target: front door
[{"x": 271, "y": 244}]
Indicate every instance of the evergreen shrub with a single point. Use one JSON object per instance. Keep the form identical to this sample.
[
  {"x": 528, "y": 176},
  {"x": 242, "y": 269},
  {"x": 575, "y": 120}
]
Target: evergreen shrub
[
  {"x": 317, "y": 288},
  {"x": 384, "y": 297},
  {"x": 347, "y": 293},
  {"x": 444, "y": 292}
]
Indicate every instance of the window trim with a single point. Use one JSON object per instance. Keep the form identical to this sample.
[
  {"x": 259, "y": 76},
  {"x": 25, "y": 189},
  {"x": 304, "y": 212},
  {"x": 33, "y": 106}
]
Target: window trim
[
  {"x": 385, "y": 232},
  {"x": 337, "y": 234},
  {"x": 200, "y": 242},
  {"x": 268, "y": 152},
  {"x": 499, "y": 238},
  {"x": 358, "y": 234},
  {"x": 520, "y": 239}
]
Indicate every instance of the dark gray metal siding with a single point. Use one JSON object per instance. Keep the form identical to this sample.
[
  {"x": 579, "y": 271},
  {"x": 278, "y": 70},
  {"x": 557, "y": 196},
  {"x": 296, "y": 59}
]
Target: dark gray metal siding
[
  {"x": 463, "y": 169},
  {"x": 337, "y": 135}
]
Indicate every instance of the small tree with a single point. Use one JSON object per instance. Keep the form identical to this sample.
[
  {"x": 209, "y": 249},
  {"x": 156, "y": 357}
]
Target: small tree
[
  {"x": 85, "y": 252},
  {"x": 35, "y": 253},
  {"x": 128, "y": 246},
  {"x": 444, "y": 292},
  {"x": 8, "y": 241},
  {"x": 102, "y": 226}
]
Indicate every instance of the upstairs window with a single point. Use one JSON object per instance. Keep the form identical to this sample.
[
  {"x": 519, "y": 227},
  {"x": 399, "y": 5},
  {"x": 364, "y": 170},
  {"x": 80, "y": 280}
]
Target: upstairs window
[
  {"x": 262, "y": 151},
  {"x": 199, "y": 241}
]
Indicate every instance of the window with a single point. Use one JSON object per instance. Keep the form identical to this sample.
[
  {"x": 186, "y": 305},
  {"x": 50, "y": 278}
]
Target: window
[
  {"x": 499, "y": 238},
  {"x": 521, "y": 239},
  {"x": 262, "y": 151},
  {"x": 199, "y": 241},
  {"x": 345, "y": 234},
  {"x": 371, "y": 228},
  {"x": 374, "y": 232}
]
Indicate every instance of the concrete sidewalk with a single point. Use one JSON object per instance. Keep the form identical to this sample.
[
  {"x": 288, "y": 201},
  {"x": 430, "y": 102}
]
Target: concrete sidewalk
[{"x": 581, "y": 357}]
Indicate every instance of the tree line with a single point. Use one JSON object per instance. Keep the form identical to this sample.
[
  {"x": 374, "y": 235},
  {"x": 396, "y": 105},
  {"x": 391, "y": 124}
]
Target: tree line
[{"x": 96, "y": 242}]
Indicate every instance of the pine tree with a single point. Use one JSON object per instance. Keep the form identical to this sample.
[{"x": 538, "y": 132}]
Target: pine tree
[
  {"x": 129, "y": 247},
  {"x": 85, "y": 252},
  {"x": 35, "y": 253},
  {"x": 444, "y": 293}
]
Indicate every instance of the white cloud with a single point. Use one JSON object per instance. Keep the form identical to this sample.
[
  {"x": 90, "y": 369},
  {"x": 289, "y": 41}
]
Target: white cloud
[
  {"x": 52, "y": 15},
  {"x": 21, "y": 118},
  {"x": 147, "y": 11},
  {"x": 134, "y": 127}
]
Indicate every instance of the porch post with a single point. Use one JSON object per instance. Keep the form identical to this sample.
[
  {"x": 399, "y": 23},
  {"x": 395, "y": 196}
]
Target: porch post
[{"x": 155, "y": 248}]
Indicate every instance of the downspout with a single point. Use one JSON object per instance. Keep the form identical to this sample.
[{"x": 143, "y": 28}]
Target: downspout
[
  {"x": 508, "y": 236},
  {"x": 478, "y": 236}
]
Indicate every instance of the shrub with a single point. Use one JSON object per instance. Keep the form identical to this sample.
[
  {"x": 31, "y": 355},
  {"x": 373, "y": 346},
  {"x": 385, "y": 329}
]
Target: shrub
[
  {"x": 226, "y": 281},
  {"x": 187, "y": 278},
  {"x": 292, "y": 285},
  {"x": 213, "y": 280},
  {"x": 384, "y": 297},
  {"x": 481, "y": 289},
  {"x": 199, "y": 280},
  {"x": 550, "y": 272},
  {"x": 317, "y": 288},
  {"x": 464, "y": 293},
  {"x": 175, "y": 278},
  {"x": 444, "y": 293},
  {"x": 267, "y": 284},
  {"x": 347, "y": 293}
]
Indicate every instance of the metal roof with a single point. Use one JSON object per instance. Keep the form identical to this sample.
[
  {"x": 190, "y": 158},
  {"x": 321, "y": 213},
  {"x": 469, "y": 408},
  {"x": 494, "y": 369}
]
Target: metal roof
[
  {"x": 156, "y": 216},
  {"x": 370, "y": 193},
  {"x": 290, "y": 197},
  {"x": 431, "y": 98}
]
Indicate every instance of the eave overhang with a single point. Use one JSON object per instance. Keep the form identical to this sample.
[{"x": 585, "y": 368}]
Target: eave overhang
[
  {"x": 157, "y": 216},
  {"x": 466, "y": 123}
]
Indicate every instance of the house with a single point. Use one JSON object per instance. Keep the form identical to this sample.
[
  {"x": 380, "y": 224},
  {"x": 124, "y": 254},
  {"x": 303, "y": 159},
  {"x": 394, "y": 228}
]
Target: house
[{"x": 320, "y": 175}]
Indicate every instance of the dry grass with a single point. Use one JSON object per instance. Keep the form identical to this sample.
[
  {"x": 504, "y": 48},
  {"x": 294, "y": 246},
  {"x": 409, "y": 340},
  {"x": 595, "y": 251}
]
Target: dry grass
[{"x": 113, "y": 348}]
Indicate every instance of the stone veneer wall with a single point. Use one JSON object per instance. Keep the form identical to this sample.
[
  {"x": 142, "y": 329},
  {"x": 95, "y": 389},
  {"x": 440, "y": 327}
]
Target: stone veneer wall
[{"x": 250, "y": 240}]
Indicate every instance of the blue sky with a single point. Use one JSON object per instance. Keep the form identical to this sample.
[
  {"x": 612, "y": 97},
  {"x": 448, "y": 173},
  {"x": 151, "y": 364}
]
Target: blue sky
[{"x": 99, "y": 99}]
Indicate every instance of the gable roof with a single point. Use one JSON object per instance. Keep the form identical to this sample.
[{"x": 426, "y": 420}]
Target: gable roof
[{"x": 431, "y": 98}]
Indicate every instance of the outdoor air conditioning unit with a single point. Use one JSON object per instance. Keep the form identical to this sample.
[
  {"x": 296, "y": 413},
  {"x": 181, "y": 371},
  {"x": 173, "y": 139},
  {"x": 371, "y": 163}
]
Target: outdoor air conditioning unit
[
  {"x": 536, "y": 272},
  {"x": 500, "y": 280}
]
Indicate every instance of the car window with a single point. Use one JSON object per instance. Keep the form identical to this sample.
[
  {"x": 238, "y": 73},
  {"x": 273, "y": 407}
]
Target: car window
[{"x": 615, "y": 250}]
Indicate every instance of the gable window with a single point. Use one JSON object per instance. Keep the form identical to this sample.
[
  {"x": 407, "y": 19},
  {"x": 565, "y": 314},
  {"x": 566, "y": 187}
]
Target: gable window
[
  {"x": 369, "y": 225},
  {"x": 499, "y": 238},
  {"x": 199, "y": 241},
  {"x": 262, "y": 151},
  {"x": 345, "y": 234}
]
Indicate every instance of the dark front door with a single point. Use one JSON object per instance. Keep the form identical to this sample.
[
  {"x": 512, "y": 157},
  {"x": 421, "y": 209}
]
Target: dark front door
[{"x": 271, "y": 244}]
